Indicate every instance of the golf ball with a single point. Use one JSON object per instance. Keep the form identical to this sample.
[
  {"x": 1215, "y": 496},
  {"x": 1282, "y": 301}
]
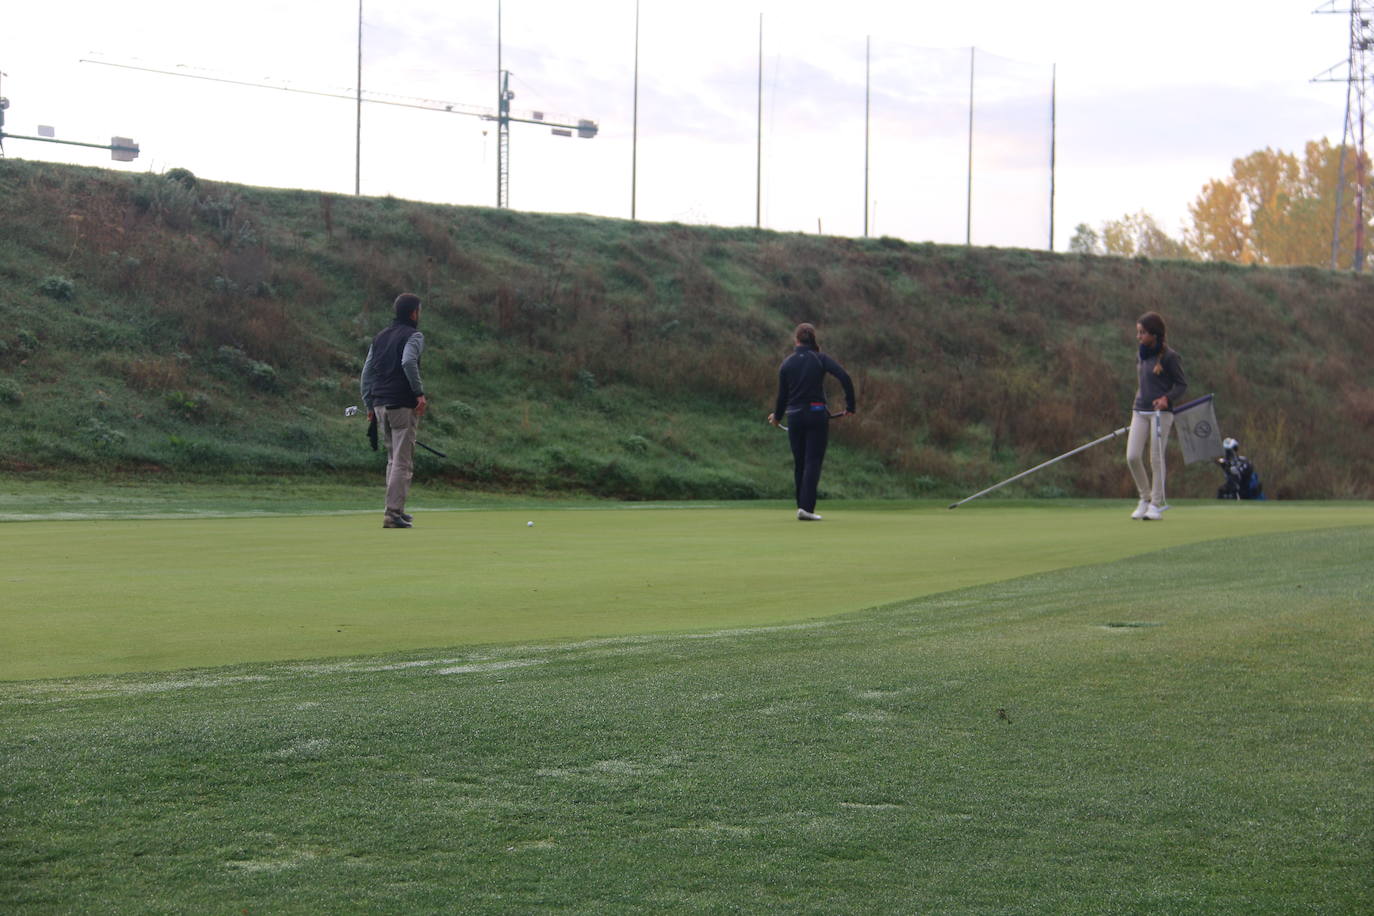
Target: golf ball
[{"x": 529, "y": 524}]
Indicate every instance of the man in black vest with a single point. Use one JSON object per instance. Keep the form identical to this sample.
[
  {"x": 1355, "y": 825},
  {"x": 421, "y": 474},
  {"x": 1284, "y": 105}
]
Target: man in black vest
[{"x": 393, "y": 394}]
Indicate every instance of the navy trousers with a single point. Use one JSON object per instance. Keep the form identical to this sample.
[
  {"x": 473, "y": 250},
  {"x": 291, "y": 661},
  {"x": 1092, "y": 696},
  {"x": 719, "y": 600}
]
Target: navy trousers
[{"x": 808, "y": 431}]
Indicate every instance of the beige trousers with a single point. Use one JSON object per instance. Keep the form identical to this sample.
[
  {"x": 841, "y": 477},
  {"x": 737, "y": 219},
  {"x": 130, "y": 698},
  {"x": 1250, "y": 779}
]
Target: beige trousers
[
  {"x": 397, "y": 426},
  {"x": 1142, "y": 434}
]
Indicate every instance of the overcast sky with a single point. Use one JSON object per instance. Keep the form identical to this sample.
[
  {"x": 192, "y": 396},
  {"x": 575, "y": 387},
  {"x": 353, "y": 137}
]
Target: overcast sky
[{"x": 1152, "y": 101}]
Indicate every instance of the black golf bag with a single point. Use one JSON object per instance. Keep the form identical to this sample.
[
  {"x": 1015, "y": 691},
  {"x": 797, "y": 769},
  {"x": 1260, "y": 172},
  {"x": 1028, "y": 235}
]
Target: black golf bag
[{"x": 1242, "y": 480}]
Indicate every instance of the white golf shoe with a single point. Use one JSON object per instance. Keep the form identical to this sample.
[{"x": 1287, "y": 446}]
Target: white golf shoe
[
  {"x": 1141, "y": 509},
  {"x": 804, "y": 516},
  {"x": 1153, "y": 513}
]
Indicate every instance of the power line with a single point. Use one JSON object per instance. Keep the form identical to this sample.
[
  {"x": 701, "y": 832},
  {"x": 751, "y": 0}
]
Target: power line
[{"x": 503, "y": 115}]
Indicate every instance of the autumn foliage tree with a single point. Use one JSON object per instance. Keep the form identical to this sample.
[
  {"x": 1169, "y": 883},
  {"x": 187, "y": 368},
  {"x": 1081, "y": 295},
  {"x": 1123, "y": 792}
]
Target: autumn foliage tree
[
  {"x": 1133, "y": 235},
  {"x": 1139, "y": 235},
  {"x": 1276, "y": 208}
]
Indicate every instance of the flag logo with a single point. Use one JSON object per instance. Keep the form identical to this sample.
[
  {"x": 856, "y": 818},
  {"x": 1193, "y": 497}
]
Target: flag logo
[{"x": 1198, "y": 433}]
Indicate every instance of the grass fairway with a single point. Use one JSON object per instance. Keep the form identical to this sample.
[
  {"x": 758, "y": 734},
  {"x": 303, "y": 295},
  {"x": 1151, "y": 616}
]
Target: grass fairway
[
  {"x": 1184, "y": 731},
  {"x": 106, "y": 596}
]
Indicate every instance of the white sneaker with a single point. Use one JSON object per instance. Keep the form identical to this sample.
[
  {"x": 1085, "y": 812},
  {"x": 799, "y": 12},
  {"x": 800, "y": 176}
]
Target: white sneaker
[
  {"x": 804, "y": 516},
  {"x": 1153, "y": 513},
  {"x": 1140, "y": 509}
]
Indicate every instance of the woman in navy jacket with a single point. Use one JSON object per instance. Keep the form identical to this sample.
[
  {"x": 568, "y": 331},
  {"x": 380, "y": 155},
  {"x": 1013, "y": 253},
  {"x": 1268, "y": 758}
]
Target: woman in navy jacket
[{"x": 801, "y": 400}]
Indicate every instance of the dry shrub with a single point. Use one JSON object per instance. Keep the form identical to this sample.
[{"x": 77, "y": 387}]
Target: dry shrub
[
  {"x": 300, "y": 284},
  {"x": 585, "y": 297},
  {"x": 1347, "y": 484},
  {"x": 247, "y": 268},
  {"x": 1085, "y": 382},
  {"x": 436, "y": 240},
  {"x": 925, "y": 461},
  {"x": 943, "y": 429},
  {"x": 1049, "y": 427},
  {"x": 381, "y": 273},
  {"x": 1102, "y": 471},
  {"x": 700, "y": 288},
  {"x": 1359, "y": 407},
  {"x": 738, "y": 371},
  {"x": 265, "y": 331},
  {"x": 154, "y": 373},
  {"x": 327, "y": 214},
  {"x": 1269, "y": 439}
]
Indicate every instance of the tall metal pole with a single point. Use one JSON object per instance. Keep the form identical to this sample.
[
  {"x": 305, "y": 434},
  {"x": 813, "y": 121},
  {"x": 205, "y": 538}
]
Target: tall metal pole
[
  {"x": 758, "y": 167},
  {"x": 1359, "y": 75},
  {"x": 358, "y": 140},
  {"x": 1054, "y": 136},
  {"x": 500, "y": 111},
  {"x": 968, "y": 214},
  {"x": 1340, "y": 187},
  {"x": 634, "y": 142},
  {"x": 868, "y": 72},
  {"x": 1361, "y": 163}
]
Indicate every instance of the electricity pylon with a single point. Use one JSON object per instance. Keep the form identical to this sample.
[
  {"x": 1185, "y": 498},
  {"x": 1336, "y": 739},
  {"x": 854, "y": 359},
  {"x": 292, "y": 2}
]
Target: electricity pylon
[{"x": 1358, "y": 67}]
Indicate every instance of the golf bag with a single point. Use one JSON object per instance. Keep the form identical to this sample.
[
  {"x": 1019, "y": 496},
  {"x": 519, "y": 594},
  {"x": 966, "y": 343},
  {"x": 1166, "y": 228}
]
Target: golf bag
[{"x": 1242, "y": 480}]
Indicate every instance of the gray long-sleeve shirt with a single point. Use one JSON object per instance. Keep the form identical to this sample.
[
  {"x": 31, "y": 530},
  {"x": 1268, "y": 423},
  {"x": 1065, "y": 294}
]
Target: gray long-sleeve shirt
[{"x": 1170, "y": 383}]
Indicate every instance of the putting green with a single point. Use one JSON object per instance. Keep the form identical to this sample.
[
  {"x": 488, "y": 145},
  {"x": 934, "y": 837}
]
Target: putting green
[{"x": 87, "y": 597}]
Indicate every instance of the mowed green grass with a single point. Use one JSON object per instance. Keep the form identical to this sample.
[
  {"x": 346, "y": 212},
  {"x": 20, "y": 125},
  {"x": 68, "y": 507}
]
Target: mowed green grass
[
  {"x": 1182, "y": 731},
  {"x": 107, "y": 596}
]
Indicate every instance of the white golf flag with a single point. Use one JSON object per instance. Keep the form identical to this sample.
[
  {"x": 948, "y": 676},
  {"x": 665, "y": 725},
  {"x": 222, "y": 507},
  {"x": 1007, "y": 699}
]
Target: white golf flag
[{"x": 1198, "y": 433}]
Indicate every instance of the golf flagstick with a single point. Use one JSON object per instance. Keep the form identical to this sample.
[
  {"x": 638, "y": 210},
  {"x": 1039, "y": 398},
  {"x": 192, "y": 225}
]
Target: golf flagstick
[{"x": 1045, "y": 464}]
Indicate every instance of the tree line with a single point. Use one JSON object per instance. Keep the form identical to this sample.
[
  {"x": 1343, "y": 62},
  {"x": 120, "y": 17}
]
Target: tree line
[{"x": 1275, "y": 208}]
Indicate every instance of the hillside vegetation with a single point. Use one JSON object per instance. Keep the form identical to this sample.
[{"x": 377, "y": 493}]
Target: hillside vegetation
[{"x": 160, "y": 326}]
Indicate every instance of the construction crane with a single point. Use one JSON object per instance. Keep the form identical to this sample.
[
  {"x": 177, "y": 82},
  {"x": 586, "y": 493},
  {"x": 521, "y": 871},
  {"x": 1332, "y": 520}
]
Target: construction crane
[
  {"x": 586, "y": 129},
  {"x": 503, "y": 115},
  {"x": 122, "y": 149}
]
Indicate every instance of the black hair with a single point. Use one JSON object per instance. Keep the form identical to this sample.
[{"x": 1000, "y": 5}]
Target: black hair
[
  {"x": 1153, "y": 323},
  {"x": 406, "y": 303}
]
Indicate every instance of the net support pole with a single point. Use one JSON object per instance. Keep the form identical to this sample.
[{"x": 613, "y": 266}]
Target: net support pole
[
  {"x": 634, "y": 134},
  {"x": 358, "y": 121},
  {"x": 758, "y": 164},
  {"x": 868, "y": 83},
  {"x": 1054, "y": 73},
  {"x": 968, "y": 210},
  {"x": 1081, "y": 448}
]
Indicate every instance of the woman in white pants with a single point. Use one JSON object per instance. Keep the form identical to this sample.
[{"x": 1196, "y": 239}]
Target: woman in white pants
[{"x": 1161, "y": 384}]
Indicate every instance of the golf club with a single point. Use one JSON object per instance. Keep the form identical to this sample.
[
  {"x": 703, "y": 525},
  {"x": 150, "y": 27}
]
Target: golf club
[
  {"x": 372, "y": 433},
  {"x": 833, "y": 416},
  {"x": 1044, "y": 464}
]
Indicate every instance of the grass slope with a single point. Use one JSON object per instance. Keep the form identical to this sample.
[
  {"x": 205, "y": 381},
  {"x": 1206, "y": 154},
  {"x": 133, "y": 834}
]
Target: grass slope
[
  {"x": 155, "y": 327},
  {"x": 86, "y": 597},
  {"x": 1184, "y": 731}
]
